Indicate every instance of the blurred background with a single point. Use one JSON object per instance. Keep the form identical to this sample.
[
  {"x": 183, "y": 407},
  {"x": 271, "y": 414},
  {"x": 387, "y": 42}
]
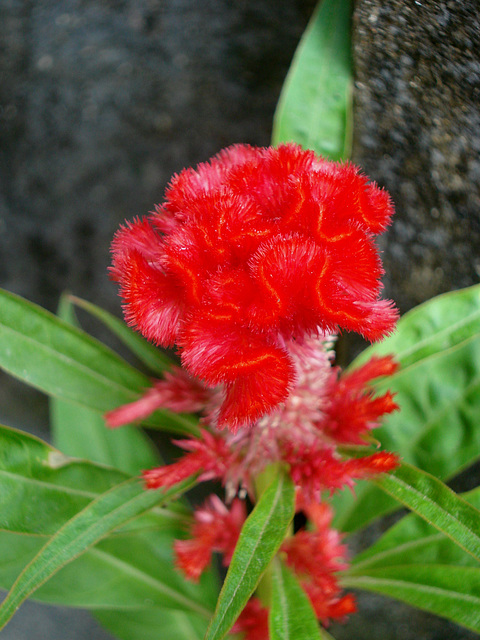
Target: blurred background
[{"x": 101, "y": 101}]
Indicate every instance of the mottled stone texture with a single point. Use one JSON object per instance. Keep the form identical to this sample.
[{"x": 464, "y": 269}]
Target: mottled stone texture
[
  {"x": 102, "y": 100},
  {"x": 417, "y": 131}
]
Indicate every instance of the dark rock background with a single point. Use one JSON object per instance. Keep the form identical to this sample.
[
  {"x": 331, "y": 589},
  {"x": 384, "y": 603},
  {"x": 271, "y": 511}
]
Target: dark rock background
[
  {"x": 101, "y": 101},
  {"x": 417, "y": 132}
]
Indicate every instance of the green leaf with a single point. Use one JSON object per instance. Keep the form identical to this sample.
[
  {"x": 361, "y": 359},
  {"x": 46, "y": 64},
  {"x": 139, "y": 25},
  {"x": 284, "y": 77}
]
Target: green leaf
[
  {"x": 436, "y": 428},
  {"x": 260, "y": 539},
  {"x": 82, "y": 433},
  {"x": 152, "y": 624},
  {"x": 450, "y": 592},
  {"x": 123, "y": 572},
  {"x": 314, "y": 109},
  {"x": 437, "y": 504},
  {"x": 41, "y": 488},
  {"x": 434, "y": 326},
  {"x": 416, "y": 563},
  {"x": 291, "y": 614},
  {"x": 66, "y": 363},
  {"x": 106, "y": 513},
  {"x": 413, "y": 541},
  {"x": 152, "y": 357}
]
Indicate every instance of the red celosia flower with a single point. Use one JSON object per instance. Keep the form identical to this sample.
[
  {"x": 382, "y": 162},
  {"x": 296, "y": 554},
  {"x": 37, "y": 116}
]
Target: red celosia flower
[
  {"x": 253, "y": 621},
  {"x": 216, "y": 528},
  {"x": 258, "y": 246}
]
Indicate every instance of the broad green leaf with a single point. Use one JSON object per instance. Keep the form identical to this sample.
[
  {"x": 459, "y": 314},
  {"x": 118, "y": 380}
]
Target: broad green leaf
[
  {"x": 82, "y": 433},
  {"x": 291, "y": 614},
  {"x": 413, "y": 546},
  {"x": 66, "y": 363},
  {"x": 450, "y": 592},
  {"x": 437, "y": 504},
  {"x": 413, "y": 541},
  {"x": 122, "y": 572},
  {"x": 41, "y": 488},
  {"x": 152, "y": 624},
  {"x": 432, "y": 327},
  {"x": 436, "y": 428},
  {"x": 261, "y": 536},
  {"x": 105, "y": 514},
  {"x": 152, "y": 357},
  {"x": 314, "y": 109}
]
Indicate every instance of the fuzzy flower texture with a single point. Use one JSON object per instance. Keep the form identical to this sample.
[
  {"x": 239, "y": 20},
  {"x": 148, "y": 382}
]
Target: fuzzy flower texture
[{"x": 252, "y": 264}]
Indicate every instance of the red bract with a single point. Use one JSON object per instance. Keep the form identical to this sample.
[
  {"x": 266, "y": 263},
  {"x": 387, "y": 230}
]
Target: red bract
[
  {"x": 256, "y": 247},
  {"x": 253, "y": 621},
  {"x": 209, "y": 456},
  {"x": 354, "y": 409},
  {"x": 216, "y": 528},
  {"x": 316, "y": 556}
]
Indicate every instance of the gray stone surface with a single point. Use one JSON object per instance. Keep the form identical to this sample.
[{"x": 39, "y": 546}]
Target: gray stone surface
[
  {"x": 101, "y": 101},
  {"x": 417, "y": 132}
]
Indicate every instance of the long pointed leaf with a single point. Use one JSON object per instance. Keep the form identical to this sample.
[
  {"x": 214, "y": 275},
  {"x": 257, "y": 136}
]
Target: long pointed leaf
[
  {"x": 260, "y": 539},
  {"x": 122, "y": 572},
  {"x": 98, "y": 519},
  {"x": 314, "y": 109},
  {"x": 412, "y": 540},
  {"x": 437, "y": 504},
  {"x": 291, "y": 614},
  {"x": 82, "y": 432},
  {"x": 64, "y": 362},
  {"x": 40, "y": 488},
  {"x": 450, "y": 592},
  {"x": 416, "y": 563}
]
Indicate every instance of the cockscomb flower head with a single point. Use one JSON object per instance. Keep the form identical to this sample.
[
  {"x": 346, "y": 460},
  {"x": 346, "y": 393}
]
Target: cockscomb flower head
[{"x": 254, "y": 249}]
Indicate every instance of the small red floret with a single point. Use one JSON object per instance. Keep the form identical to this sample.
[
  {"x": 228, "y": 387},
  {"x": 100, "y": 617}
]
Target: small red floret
[
  {"x": 215, "y": 529},
  {"x": 209, "y": 456},
  {"x": 253, "y": 621}
]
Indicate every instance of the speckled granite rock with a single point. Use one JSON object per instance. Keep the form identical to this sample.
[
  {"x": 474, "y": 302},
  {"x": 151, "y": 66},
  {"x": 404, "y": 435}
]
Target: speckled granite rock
[{"x": 417, "y": 131}]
